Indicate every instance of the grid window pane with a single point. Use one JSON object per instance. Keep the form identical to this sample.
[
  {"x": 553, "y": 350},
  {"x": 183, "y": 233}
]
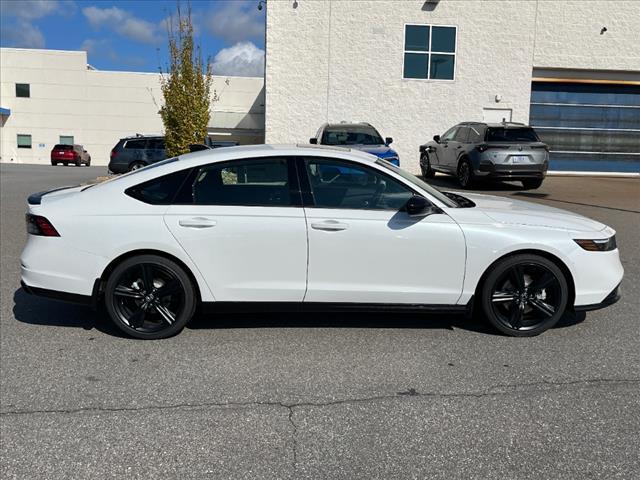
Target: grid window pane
[
  {"x": 24, "y": 141},
  {"x": 416, "y": 37},
  {"x": 416, "y": 65},
  {"x": 443, "y": 39},
  {"x": 66, "y": 139},
  {"x": 442, "y": 66},
  {"x": 23, "y": 90}
]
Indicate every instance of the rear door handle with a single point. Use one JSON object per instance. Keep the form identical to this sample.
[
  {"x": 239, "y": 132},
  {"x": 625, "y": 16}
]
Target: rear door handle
[
  {"x": 329, "y": 226},
  {"x": 197, "y": 222}
]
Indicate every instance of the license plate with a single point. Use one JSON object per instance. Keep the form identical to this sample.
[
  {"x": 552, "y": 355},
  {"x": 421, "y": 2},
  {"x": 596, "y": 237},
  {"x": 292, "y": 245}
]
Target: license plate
[{"x": 519, "y": 159}]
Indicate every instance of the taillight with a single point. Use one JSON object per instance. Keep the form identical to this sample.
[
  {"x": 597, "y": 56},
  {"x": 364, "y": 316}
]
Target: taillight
[
  {"x": 37, "y": 225},
  {"x": 113, "y": 153}
]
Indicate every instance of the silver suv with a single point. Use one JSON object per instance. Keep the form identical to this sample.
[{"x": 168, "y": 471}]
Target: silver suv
[{"x": 494, "y": 151}]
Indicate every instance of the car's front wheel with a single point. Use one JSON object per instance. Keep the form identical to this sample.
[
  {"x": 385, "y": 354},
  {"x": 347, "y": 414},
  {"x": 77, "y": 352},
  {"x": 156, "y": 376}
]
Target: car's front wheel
[
  {"x": 524, "y": 295},
  {"x": 425, "y": 166},
  {"x": 465, "y": 174},
  {"x": 150, "y": 297}
]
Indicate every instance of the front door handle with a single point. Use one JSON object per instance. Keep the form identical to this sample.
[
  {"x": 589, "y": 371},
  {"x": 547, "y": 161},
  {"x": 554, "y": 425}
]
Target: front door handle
[
  {"x": 197, "y": 222},
  {"x": 329, "y": 226}
]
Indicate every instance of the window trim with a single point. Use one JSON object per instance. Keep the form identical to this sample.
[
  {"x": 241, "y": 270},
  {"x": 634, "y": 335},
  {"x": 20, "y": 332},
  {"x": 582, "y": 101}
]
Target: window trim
[
  {"x": 24, "y": 135},
  {"x": 293, "y": 179},
  {"x": 429, "y": 52},
  {"x": 307, "y": 191}
]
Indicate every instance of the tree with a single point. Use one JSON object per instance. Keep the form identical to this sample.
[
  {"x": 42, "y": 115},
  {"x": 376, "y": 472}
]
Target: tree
[{"x": 186, "y": 88}]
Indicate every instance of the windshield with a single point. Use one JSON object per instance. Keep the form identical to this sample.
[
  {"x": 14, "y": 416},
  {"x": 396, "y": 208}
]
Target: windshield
[
  {"x": 351, "y": 135},
  {"x": 449, "y": 202},
  {"x": 500, "y": 134}
]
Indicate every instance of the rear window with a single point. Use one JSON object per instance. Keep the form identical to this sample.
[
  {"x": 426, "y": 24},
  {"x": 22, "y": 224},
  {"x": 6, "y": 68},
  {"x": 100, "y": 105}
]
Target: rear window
[
  {"x": 351, "y": 135},
  {"x": 63, "y": 147},
  {"x": 500, "y": 134},
  {"x": 136, "y": 144}
]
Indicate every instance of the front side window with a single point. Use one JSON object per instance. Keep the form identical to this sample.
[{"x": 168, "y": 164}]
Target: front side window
[
  {"x": 449, "y": 134},
  {"x": 351, "y": 135},
  {"x": 429, "y": 52},
  {"x": 259, "y": 182},
  {"x": 24, "y": 141},
  {"x": 23, "y": 90},
  {"x": 344, "y": 185}
]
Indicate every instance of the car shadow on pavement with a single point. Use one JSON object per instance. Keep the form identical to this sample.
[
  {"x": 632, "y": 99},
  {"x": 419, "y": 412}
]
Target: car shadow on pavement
[{"x": 33, "y": 310}]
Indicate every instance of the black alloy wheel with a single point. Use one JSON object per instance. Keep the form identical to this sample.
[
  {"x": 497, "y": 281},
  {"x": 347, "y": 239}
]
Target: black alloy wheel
[
  {"x": 525, "y": 295},
  {"x": 150, "y": 297},
  {"x": 465, "y": 174},
  {"x": 425, "y": 166}
]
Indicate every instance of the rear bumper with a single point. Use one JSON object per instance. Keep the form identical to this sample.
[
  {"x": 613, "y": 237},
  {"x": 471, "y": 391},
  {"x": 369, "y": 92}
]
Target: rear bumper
[
  {"x": 513, "y": 172},
  {"x": 116, "y": 167},
  {"x": 62, "y": 296}
]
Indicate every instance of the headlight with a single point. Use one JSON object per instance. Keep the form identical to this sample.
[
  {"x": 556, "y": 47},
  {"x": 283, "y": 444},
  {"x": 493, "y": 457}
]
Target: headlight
[{"x": 604, "y": 245}]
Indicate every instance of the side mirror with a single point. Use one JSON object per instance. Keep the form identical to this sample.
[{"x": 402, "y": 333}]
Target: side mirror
[
  {"x": 436, "y": 138},
  {"x": 388, "y": 141},
  {"x": 313, "y": 141},
  {"x": 418, "y": 206}
]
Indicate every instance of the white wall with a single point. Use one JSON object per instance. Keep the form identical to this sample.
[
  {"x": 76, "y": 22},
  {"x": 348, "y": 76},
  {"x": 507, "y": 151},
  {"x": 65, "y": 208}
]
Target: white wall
[
  {"x": 97, "y": 107},
  {"x": 342, "y": 60}
]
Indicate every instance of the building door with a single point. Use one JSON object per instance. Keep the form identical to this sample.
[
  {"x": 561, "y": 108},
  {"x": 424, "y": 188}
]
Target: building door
[{"x": 588, "y": 126}]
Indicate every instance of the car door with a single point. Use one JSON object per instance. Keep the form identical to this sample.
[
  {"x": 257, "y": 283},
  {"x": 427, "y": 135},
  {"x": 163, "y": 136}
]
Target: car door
[
  {"x": 457, "y": 145},
  {"x": 364, "y": 248},
  {"x": 443, "y": 152},
  {"x": 243, "y": 225}
]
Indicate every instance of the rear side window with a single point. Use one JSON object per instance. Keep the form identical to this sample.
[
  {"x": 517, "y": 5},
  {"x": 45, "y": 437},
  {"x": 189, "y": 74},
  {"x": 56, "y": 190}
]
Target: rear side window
[
  {"x": 156, "y": 144},
  {"x": 159, "y": 191},
  {"x": 259, "y": 182},
  {"x": 475, "y": 135},
  {"x": 135, "y": 144},
  {"x": 501, "y": 134}
]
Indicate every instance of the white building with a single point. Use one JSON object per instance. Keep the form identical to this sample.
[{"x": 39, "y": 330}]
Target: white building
[
  {"x": 414, "y": 68},
  {"x": 49, "y": 97}
]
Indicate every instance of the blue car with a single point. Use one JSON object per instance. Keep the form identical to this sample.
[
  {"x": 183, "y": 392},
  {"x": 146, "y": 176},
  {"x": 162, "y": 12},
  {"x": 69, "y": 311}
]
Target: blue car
[{"x": 360, "y": 136}]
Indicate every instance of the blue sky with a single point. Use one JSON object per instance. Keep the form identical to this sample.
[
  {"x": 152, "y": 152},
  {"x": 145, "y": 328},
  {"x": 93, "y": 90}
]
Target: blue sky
[{"x": 131, "y": 34}]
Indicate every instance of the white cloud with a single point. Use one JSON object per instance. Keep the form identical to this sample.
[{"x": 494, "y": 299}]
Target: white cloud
[
  {"x": 243, "y": 59},
  {"x": 28, "y": 9},
  {"x": 102, "y": 49},
  {"x": 22, "y": 34},
  {"x": 123, "y": 23},
  {"x": 237, "y": 21}
]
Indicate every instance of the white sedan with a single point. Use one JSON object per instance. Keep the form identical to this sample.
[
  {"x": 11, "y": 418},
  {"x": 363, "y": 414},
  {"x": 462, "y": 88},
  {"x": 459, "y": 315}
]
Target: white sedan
[{"x": 270, "y": 226}]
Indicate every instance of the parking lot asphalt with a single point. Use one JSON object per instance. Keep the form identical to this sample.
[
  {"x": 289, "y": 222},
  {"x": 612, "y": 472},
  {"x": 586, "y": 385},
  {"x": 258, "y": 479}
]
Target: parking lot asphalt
[{"x": 387, "y": 395}]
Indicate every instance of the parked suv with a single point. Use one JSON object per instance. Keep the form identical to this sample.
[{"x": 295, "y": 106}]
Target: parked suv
[
  {"x": 66, "y": 154},
  {"x": 359, "y": 136},
  {"x": 131, "y": 153},
  {"x": 498, "y": 151}
]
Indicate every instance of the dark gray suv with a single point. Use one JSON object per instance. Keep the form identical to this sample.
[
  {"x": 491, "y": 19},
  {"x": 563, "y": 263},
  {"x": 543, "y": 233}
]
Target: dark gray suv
[
  {"x": 131, "y": 153},
  {"x": 494, "y": 151}
]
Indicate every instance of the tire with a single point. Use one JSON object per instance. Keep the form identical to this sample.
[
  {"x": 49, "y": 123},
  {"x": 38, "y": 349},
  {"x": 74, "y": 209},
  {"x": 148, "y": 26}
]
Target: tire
[
  {"x": 425, "y": 166},
  {"x": 524, "y": 295},
  {"x": 136, "y": 166},
  {"x": 88, "y": 164},
  {"x": 465, "y": 174},
  {"x": 78, "y": 163},
  {"x": 66, "y": 164},
  {"x": 532, "y": 184},
  {"x": 135, "y": 303}
]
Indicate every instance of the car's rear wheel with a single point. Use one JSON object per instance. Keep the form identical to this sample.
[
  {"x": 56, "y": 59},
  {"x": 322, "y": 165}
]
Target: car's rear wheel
[
  {"x": 465, "y": 173},
  {"x": 524, "y": 295},
  {"x": 425, "y": 166},
  {"x": 532, "y": 183},
  {"x": 136, "y": 166},
  {"x": 79, "y": 162},
  {"x": 150, "y": 297}
]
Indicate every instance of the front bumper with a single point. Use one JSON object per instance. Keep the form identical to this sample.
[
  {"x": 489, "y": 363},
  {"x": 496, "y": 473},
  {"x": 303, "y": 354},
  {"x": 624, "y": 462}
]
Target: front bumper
[
  {"x": 488, "y": 169},
  {"x": 612, "y": 298}
]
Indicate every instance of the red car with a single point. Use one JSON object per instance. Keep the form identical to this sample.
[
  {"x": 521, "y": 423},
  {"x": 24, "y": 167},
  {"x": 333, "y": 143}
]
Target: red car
[{"x": 67, "y": 154}]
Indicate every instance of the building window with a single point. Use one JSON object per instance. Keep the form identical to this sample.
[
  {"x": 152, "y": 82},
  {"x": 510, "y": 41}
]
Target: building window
[
  {"x": 66, "y": 139},
  {"x": 24, "y": 141},
  {"x": 429, "y": 52},
  {"x": 23, "y": 90}
]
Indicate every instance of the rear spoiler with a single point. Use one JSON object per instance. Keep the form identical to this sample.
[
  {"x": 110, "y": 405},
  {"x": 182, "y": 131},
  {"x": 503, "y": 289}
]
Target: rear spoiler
[{"x": 36, "y": 198}]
